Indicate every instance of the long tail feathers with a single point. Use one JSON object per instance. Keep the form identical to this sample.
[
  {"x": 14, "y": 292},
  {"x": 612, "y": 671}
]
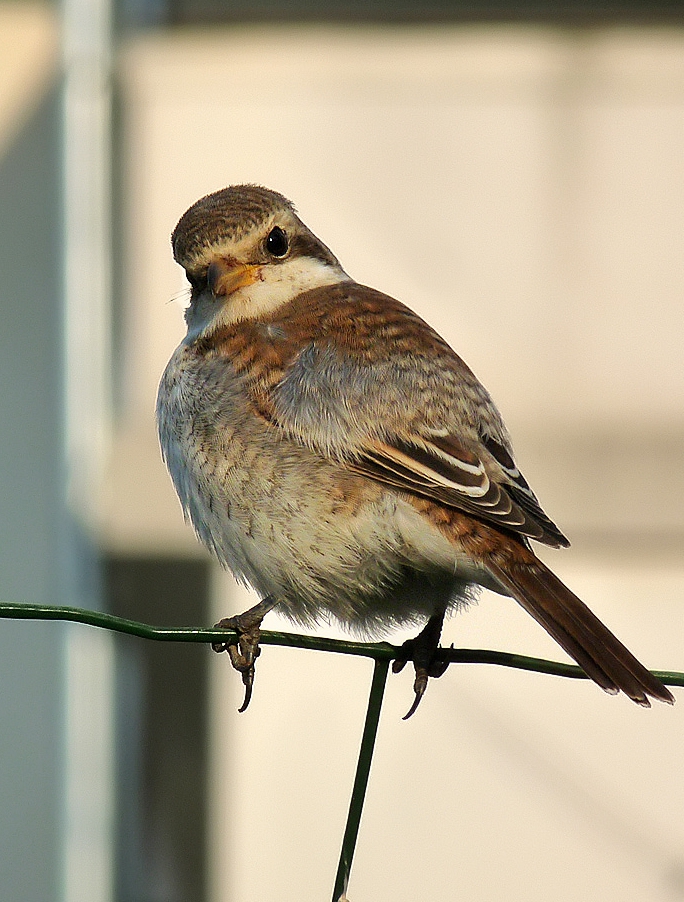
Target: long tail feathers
[{"x": 577, "y": 630}]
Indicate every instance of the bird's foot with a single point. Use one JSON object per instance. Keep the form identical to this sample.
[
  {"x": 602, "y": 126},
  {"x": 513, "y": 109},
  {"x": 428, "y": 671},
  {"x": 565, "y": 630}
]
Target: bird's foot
[
  {"x": 244, "y": 650},
  {"x": 424, "y": 652}
]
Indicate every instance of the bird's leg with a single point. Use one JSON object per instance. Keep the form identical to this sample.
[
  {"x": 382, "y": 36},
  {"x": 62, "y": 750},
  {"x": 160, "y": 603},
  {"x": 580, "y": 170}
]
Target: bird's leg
[
  {"x": 423, "y": 652},
  {"x": 245, "y": 650}
]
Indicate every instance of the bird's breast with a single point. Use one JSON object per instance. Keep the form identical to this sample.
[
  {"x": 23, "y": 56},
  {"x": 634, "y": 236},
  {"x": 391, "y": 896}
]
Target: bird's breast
[{"x": 293, "y": 522}]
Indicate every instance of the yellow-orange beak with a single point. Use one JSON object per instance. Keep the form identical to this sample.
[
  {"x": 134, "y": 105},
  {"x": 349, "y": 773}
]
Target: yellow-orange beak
[{"x": 224, "y": 276}]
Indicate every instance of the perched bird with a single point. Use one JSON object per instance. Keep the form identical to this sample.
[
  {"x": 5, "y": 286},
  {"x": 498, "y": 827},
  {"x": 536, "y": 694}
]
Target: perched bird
[{"x": 334, "y": 452}]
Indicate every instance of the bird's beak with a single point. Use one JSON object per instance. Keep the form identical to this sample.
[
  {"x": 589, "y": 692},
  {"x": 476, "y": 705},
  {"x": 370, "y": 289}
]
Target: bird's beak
[{"x": 224, "y": 276}]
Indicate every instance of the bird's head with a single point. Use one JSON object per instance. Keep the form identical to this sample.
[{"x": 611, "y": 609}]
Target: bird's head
[{"x": 246, "y": 253}]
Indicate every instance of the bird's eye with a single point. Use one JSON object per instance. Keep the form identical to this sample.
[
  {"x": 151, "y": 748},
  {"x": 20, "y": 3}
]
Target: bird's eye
[{"x": 277, "y": 244}]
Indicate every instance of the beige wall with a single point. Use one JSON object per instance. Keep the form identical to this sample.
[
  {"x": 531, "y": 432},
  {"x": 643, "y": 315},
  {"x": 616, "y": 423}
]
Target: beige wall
[
  {"x": 28, "y": 57},
  {"x": 524, "y": 191}
]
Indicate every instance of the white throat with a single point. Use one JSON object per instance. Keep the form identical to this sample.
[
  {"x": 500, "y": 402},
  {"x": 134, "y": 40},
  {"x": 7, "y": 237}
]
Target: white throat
[{"x": 279, "y": 283}]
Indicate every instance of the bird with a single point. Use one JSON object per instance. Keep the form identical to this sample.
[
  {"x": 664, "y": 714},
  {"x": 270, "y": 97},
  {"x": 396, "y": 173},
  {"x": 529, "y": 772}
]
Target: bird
[{"x": 334, "y": 452}]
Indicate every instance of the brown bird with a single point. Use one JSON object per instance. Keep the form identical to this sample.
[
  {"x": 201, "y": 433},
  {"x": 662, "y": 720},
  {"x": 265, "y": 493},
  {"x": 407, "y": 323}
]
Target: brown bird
[{"x": 334, "y": 452}]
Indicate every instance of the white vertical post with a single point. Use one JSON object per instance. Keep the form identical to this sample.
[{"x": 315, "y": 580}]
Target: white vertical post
[{"x": 89, "y": 746}]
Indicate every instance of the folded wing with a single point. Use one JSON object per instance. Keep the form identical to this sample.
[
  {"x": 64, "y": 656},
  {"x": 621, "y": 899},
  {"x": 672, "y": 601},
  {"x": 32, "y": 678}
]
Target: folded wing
[{"x": 442, "y": 469}]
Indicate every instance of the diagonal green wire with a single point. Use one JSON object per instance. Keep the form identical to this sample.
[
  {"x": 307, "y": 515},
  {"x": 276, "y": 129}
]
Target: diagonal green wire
[{"x": 363, "y": 766}]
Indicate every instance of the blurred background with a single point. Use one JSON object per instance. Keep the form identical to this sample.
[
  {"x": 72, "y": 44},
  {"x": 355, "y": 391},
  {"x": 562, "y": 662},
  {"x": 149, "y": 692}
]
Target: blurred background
[{"x": 514, "y": 172}]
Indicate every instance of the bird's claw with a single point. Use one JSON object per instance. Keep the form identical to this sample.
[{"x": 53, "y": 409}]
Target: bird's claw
[
  {"x": 247, "y": 682},
  {"x": 424, "y": 651},
  {"x": 242, "y": 652},
  {"x": 420, "y": 684}
]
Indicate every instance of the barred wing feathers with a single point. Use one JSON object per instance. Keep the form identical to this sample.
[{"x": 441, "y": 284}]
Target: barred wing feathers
[{"x": 442, "y": 469}]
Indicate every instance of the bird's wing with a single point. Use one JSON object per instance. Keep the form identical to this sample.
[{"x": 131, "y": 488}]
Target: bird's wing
[
  {"x": 356, "y": 375},
  {"x": 445, "y": 471}
]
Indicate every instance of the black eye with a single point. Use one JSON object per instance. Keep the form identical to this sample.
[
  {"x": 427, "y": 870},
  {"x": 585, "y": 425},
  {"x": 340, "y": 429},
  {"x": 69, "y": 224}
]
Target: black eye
[{"x": 277, "y": 244}]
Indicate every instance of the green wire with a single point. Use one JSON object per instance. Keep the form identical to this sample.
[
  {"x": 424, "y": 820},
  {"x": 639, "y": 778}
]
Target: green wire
[
  {"x": 363, "y": 766},
  {"x": 379, "y": 651}
]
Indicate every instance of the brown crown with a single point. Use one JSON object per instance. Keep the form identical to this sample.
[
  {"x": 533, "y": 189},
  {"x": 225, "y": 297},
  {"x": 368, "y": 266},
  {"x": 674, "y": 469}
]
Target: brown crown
[{"x": 228, "y": 213}]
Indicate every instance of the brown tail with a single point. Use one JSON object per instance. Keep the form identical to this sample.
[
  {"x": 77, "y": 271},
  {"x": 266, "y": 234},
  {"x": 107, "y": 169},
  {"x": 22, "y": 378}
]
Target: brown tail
[{"x": 576, "y": 629}]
